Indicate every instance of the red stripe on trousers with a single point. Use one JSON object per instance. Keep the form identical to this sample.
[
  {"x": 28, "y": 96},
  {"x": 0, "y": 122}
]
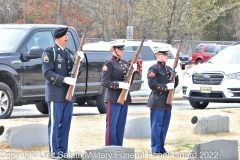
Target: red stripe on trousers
[{"x": 108, "y": 122}]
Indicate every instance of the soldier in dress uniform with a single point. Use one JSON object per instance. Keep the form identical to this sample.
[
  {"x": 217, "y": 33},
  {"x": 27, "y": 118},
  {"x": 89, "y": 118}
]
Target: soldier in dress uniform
[
  {"x": 57, "y": 64},
  {"x": 160, "y": 112},
  {"x": 113, "y": 74}
]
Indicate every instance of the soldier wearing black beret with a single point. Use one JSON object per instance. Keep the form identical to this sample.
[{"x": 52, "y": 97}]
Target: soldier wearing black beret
[
  {"x": 57, "y": 64},
  {"x": 60, "y": 32},
  {"x": 160, "y": 112}
]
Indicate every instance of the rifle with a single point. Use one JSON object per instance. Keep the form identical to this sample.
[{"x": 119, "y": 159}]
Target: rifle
[
  {"x": 123, "y": 95},
  {"x": 173, "y": 73},
  {"x": 75, "y": 68}
]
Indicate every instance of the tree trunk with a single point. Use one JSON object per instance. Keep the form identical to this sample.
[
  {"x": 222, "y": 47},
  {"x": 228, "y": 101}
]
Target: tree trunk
[{"x": 58, "y": 12}]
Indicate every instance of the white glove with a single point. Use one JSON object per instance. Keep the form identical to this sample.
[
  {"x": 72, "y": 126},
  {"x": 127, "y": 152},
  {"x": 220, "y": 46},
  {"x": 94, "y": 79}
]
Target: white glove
[
  {"x": 123, "y": 85},
  {"x": 170, "y": 85},
  {"x": 81, "y": 55},
  {"x": 134, "y": 66},
  {"x": 70, "y": 81}
]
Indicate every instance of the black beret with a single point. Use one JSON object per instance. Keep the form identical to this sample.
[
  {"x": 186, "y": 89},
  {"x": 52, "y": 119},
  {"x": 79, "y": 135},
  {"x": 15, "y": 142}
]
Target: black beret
[{"x": 59, "y": 32}]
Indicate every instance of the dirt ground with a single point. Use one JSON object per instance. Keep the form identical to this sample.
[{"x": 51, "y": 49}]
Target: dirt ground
[{"x": 87, "y": 132}]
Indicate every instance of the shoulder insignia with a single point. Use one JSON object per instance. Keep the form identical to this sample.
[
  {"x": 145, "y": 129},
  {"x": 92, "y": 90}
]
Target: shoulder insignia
[
  {"x": 104, "y": 68},
  {"x": 46, "y": 58},
  {"x": 151, "y": 75},
  {"x": 51, "y": 46}
]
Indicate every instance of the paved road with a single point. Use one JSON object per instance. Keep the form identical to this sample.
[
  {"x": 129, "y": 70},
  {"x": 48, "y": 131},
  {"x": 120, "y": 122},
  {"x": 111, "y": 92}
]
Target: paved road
[{"x": 31, "y": 111}]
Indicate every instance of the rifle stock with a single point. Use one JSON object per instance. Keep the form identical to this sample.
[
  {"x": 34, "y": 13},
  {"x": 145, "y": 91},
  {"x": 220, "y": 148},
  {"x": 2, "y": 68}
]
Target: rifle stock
[
  {"x": 123, "y": 95},
  {"x": 173, "y": 74},
  {"x": 75, "y": 69}
]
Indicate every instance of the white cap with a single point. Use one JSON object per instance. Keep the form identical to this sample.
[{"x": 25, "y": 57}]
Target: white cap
[
  {"x": 118, "y": 43},
  {"x": 163, "y": 49}
]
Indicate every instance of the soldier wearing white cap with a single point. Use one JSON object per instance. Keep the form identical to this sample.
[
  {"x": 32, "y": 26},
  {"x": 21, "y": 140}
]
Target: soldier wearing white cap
[
  {"x": 113, "y": 74},
  {"x": 160, "y": 112}
]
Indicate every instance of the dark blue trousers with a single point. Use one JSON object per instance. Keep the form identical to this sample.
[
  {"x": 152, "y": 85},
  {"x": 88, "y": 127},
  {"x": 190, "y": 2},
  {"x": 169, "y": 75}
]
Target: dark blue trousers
[
  {"x": 160, "y": 120},
  {"x": 115, "y": 123},
  {"x": 60, "y": 116}
]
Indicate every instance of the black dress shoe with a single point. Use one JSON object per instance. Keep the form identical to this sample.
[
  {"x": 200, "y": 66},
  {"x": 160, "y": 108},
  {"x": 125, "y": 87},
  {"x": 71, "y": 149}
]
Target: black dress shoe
[{"x": 1, "y": 130}]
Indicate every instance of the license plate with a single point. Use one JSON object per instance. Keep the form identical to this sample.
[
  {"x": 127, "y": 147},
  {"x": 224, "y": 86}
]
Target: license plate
[
  {"x": 183, "y": 63},
  {"x": 205, "y": 89}
]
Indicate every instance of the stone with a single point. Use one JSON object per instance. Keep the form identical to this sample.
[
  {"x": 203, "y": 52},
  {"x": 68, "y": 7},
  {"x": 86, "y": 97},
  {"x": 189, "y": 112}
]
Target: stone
[
  {"x": 138, "y": 128},
  {"x": 26, "y": 135},
  {"x": 220, "y": 149},
  {"x": 109, "y": 152},
  {"x": 212, "y": 125}
]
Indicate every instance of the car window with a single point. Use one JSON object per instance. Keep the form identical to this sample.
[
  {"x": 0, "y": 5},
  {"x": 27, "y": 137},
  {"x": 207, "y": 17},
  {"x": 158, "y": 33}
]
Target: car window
[
  {"x": 198, "y": 48},
  {"x": 172, "y": 53},
  {"x": 209, "y": 49},
  {"x": 71, "y": 43},
  {"x": 222, "y": 47},
  {"x": 227, "y": 56},
  {"x": 129, "y": 48},
  {"x": 128, "y": 55},
  {"x": 12, "y": 38},
  {"x": 216, "y": 49},
  {"x": 146, "y": 53},
  {"x": 43, "y": 39}
]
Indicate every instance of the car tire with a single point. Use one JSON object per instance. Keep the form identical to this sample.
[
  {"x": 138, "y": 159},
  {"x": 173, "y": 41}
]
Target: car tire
[
  {"x": 42, "y": 107},
  {"x": 92, "y": 102},
  {"x": 199, "y": 62},
  {"x": 100, "y": 101},
  {"x": 80, "y": 101},
  {"x": 7, "y": 101},
  {"x": 199, "y": 105}
]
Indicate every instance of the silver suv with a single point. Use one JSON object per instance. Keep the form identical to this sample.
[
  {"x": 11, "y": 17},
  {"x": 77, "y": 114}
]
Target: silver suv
[{"x": 216, "y": 80}]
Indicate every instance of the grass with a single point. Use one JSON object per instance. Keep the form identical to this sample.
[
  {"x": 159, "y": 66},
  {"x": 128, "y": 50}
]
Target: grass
[{"x": 87, "y": 132}]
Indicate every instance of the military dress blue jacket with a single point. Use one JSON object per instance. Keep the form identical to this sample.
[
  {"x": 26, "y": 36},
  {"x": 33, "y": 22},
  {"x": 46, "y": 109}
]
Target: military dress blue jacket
[
  {"x": 57, "y": 64},
  {"x": 114, "y": 71},
  {"x": 158, "y": 75}
]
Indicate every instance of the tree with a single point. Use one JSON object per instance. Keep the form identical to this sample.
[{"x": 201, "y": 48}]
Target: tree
[
  {"x": 171, "y": 18},
  {"x": 67, "y": 12}
]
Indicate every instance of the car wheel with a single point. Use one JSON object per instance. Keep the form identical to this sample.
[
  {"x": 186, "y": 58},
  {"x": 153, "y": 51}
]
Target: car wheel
[
  {"x": 100, "y": 101},
  {"x": 199, "y": 105},
  {"x": 92, "y": 102},
  {"x": 7, "y": 101},
  {"x": 80, "y": 101},
  {"x": 199, "y": 62},
  {"x": 42, "y": 107}
]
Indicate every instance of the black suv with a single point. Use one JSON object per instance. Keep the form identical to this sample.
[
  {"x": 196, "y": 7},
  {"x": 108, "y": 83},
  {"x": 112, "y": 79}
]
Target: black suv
[{"x": 21, "y": 79}]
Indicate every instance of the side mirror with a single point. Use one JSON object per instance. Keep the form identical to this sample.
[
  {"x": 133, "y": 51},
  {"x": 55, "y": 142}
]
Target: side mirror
[{"x": 35, "y": 52}]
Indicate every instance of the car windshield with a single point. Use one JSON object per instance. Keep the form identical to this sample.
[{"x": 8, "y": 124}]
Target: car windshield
[
  {"x": 230, "y": 55},
  {"x": 11, "y": 38}
]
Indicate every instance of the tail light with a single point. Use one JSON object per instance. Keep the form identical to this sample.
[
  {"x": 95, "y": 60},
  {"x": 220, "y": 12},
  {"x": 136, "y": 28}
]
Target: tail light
[{"x": 139, "y": 62}]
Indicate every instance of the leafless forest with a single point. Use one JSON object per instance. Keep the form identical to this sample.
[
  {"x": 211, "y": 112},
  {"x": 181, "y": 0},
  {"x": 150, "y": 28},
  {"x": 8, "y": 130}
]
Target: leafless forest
[{"x": 161, "y": 20}]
